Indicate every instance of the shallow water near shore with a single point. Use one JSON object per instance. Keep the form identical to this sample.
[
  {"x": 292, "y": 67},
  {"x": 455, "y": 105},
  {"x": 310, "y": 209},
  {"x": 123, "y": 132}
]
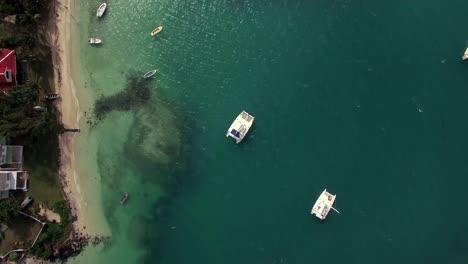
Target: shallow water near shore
[{"x": 365, "y": 99}]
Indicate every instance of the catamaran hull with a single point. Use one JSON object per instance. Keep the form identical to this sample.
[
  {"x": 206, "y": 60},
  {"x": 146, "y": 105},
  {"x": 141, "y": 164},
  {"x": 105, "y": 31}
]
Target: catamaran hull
[{"x": 240, "y": 127}]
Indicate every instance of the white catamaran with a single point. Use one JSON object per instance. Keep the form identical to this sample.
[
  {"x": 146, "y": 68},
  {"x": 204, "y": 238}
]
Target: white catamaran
[
  {"x": 240, "y": 126},
  {"x": 323, "y": 205}
]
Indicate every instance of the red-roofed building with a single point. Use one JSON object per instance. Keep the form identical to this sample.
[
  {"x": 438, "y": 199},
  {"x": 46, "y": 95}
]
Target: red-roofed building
[{"x": 7, "y": 69}]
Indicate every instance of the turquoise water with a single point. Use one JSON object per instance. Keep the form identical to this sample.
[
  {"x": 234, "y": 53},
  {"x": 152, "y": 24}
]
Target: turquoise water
[{"x": 368, "y": 100}]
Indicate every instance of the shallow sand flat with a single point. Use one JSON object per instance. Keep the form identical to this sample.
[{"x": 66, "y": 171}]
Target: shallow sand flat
[{"x": 73, "y": 179}]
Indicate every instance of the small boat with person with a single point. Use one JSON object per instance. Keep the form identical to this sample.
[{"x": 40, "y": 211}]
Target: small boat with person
[
  {"x": 124, "y": 198},
  {"x": 51, "y": 97},
  {"x": 240, "y": 126},
  {"x": 323, "y": 205},
  {"x": 94, "y": 41},
  {"x": 149, "y": 74},
  {"x": 156, "y": 30},
  {"x": 101, "y": 9},
  {"x": 465, "y": 55}
]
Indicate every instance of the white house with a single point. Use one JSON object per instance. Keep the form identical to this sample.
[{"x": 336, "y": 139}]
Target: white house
[
  {"x": 12, "y": 180},
  {"x": 11, "y": 157}
]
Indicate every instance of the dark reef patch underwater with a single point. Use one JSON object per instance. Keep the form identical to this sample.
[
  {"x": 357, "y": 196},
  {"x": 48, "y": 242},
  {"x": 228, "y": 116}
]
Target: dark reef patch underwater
[
  {"x": 153, "y": 161},
  {"x": 136, "y": 93}
]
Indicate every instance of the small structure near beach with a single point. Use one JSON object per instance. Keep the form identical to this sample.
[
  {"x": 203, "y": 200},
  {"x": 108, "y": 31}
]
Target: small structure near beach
[
  {"x": 11, "y": 157},
  {"x": 12, "y": 180}
]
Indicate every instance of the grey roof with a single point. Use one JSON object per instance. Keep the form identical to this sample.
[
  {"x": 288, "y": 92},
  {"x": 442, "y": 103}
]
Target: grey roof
[
  {"x": 14, "y": 154},
  {"x": 4, "y": 194},
  {"x": 4, "y": 175},
  {"x": 22, "y": 180}
]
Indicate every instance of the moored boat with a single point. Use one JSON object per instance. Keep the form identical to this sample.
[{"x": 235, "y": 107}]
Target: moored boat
[
  {"x": 465, "y": 55},
  {"x": 51, "y": 97},
  {"x": 149, "y": 74},
  {"x": 124, "y": 198},
  {"x": 101, "y": 9},
  {"x": 323, "y": 205},
  {"x": 94, "y": 41},
  {"x": 156, "y": 30},
  {"x": 38, "y": 108},
  {"x": 240, "y": 126}
]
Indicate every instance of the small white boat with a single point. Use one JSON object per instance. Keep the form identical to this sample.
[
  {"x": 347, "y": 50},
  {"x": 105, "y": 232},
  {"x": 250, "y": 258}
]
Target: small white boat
[
  {"x": 149, "y": 74},
  {"x": 101, "y": 9},
  {"x": 323, "y": 205},
  {"x": 95, "y": 41},
  {"x": 240, "y": 126},
  {"x": 124, "y": 198},
  {"x": 51, "y": 97},
  {"x": 25, "y": 202},
  {"x": 465, "y": 55},
  {"x": 156, "y": 30},
  {"x": 38, "y": 108}
]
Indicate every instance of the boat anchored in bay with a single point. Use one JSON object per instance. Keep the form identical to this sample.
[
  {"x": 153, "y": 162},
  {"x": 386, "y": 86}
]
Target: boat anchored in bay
[
  {"x": 149, "y": 74},
  {"x": 323, "y": 205},
  {"x": 156, "y": 30},
  {"x": 101, "y": 9},
  {"x": 124, "y": 198},
  {"x": 240, "y": 126},
  {"x": 94, "y": 41}
]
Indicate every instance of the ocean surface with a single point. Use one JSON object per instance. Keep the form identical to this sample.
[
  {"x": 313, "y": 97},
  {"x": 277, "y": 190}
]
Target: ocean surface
[{"x": 368, "y": 99}]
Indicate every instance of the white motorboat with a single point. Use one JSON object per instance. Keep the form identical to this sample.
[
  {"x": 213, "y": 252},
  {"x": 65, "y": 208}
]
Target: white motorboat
[
  {"x": 465, "y": 55},
  {"x": 94, "y": 41},
  {"x": 149, "y": 74},
  {"x": 101, "y": 9},
  {"x": 240, "y": 126},
  {"x": 156, "y": 30},
  {"x": 323, "y": 205}
]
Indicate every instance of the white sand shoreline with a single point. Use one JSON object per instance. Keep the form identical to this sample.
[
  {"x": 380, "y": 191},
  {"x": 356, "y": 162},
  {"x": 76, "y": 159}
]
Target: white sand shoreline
[{"x": 60, "y": 39}]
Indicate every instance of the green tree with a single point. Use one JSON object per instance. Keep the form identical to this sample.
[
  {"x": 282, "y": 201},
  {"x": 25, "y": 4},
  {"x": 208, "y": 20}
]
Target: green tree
[
  {"x": 18, "y": 116},
  {"x": 8, "y": 209}
]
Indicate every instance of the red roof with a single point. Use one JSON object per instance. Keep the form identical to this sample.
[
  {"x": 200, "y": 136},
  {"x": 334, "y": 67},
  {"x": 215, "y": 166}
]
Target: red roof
[{"x": 7, "y": 69}]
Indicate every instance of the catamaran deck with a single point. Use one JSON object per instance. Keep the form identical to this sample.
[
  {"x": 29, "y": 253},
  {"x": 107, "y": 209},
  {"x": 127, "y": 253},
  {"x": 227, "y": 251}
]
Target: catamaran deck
[
  {"x": 323, "y": 204},
  {"x": 240, "y": 126}
]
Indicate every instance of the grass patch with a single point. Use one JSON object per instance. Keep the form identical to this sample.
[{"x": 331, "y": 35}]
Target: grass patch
[
  {"x": 53, "y": 234},
  {"x": 42, "y": 164}
]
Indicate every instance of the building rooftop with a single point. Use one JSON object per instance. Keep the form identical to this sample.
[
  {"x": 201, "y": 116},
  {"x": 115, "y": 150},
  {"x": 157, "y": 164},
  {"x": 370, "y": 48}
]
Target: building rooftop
[
  {"x": 7, "y": 69},
  {"x": 10, "y": 154},
  {"x": 13, "y": 180}
]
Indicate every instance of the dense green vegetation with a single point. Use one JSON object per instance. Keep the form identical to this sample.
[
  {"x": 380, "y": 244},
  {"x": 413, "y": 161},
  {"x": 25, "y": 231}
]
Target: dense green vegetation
[
  {"x": 8, "y": 210},
  {"x": 52, "y": 233},
  {"x": 19, "y": 120},
  {"x": 28, "y": 35},
  {"x": 36, "y": 131}
]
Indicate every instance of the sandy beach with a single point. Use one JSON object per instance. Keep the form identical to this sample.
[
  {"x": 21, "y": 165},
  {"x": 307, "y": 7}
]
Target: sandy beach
[{"x": 69, "y": 107}]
